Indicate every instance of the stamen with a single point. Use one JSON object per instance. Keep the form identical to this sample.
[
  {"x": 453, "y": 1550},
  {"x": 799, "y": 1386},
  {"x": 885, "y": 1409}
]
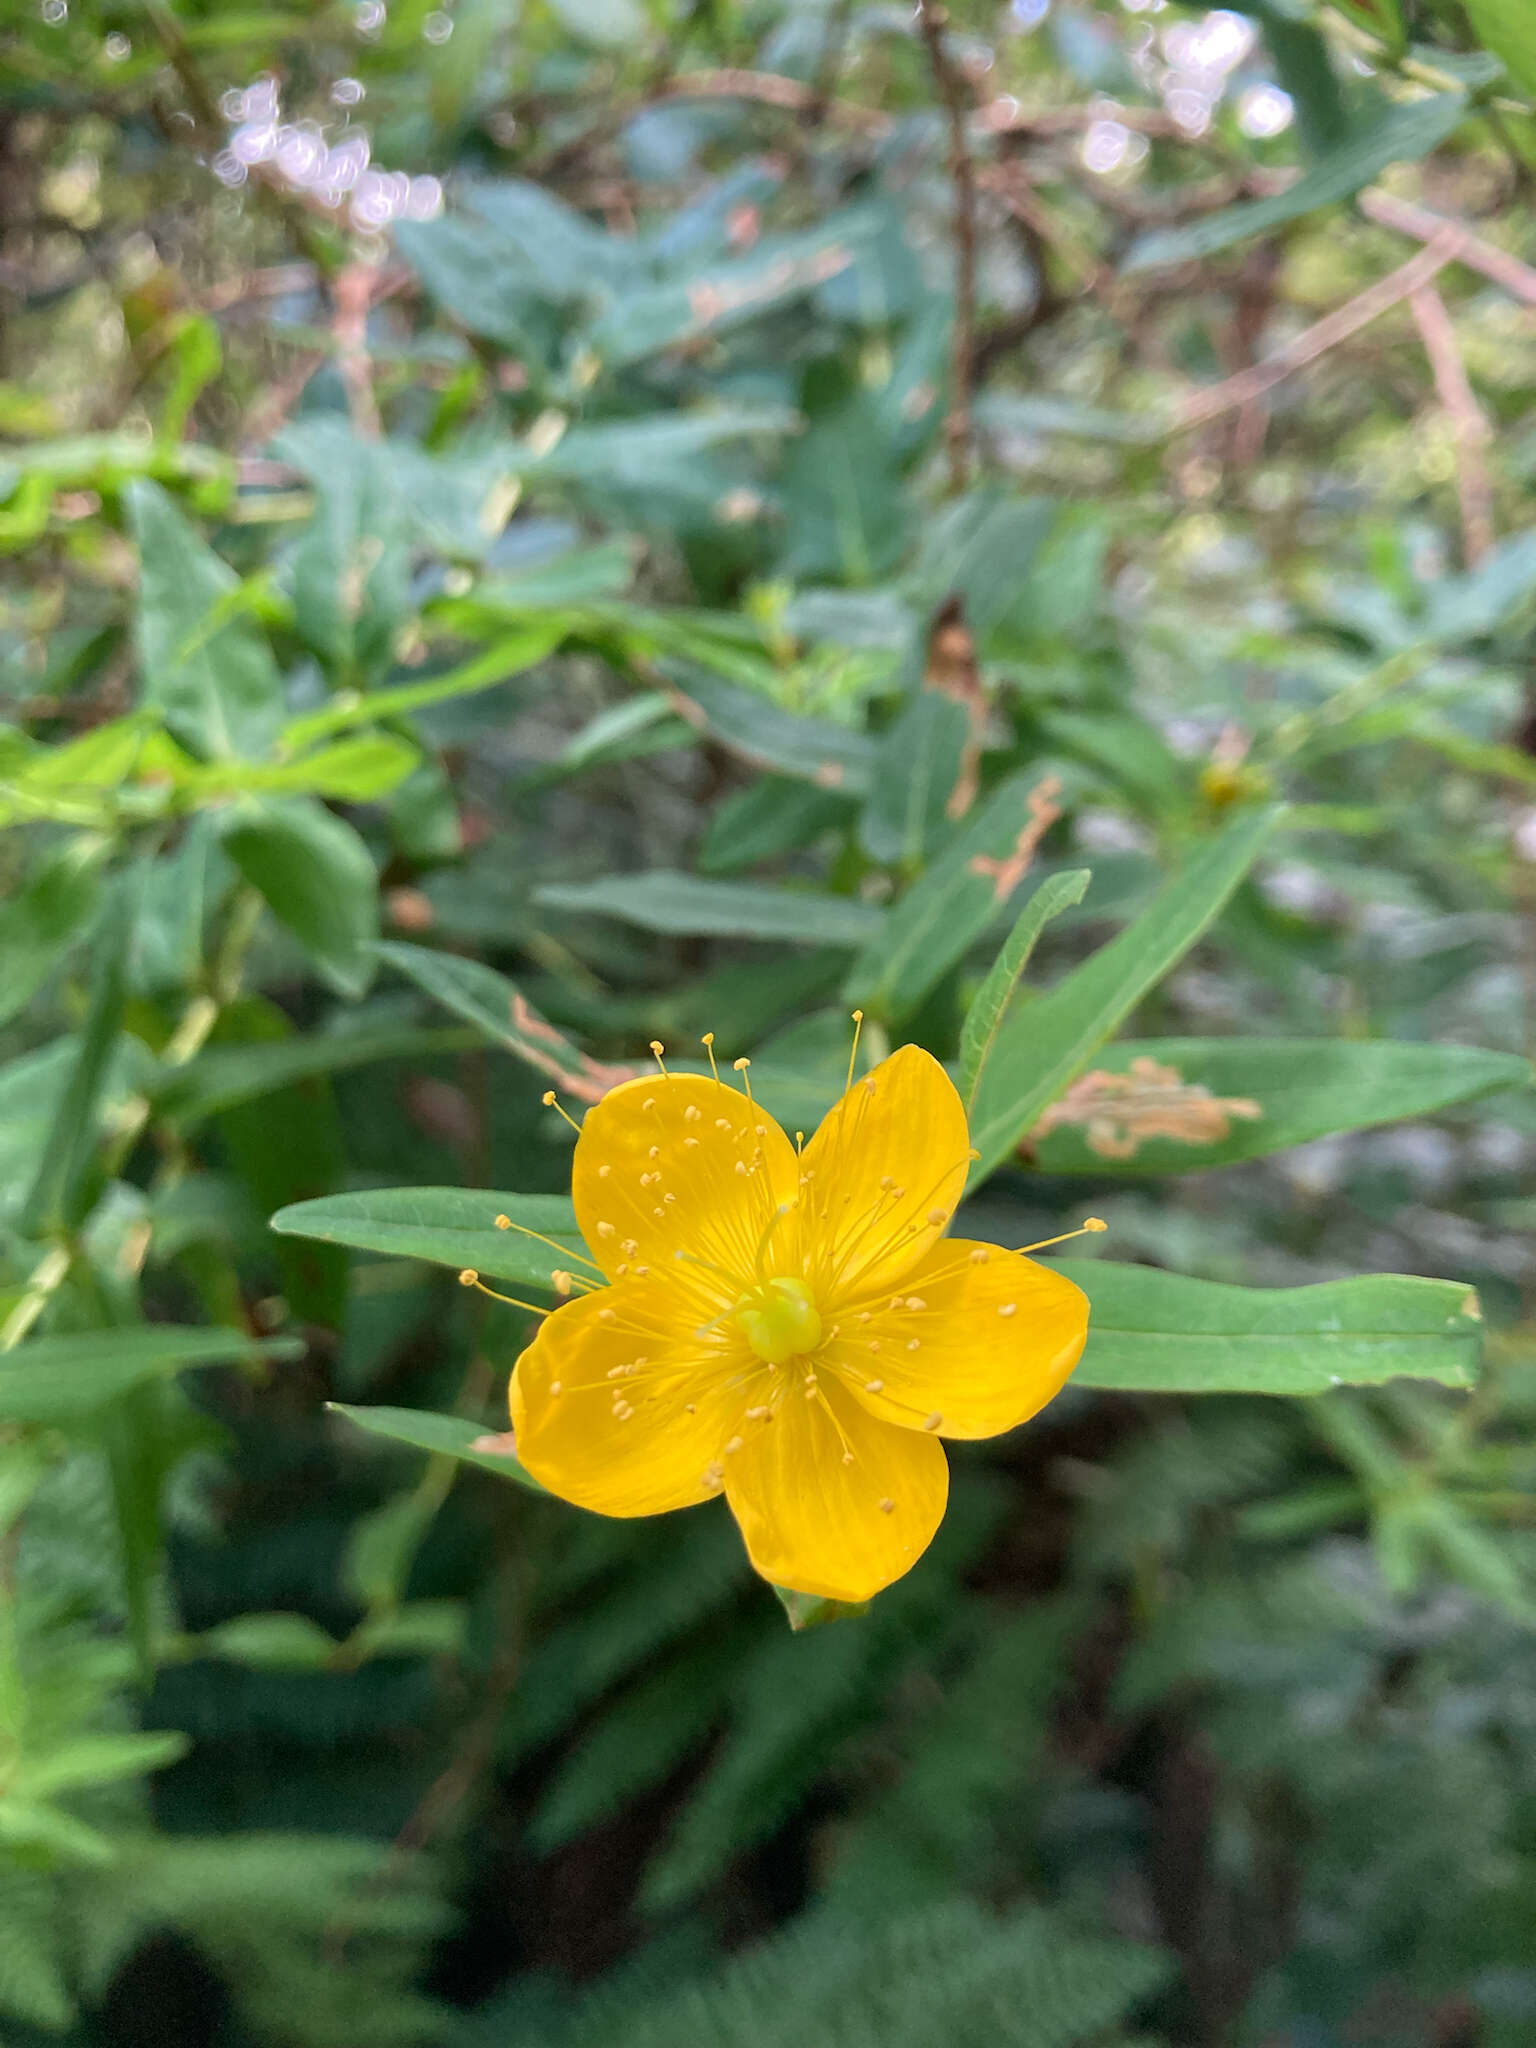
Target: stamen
[
  {"x": 687, "y": 1258},
  {"x": 1090, "y": 1227},
  {"x": 657, "y": 1049},
  {"x": 740, "y": 1067},
  {"x": 709, "y": 1047},
  {"x": 506, "y": 1223},
  {"x": 551, "y": 1100},
  {"x": 470, "y": 1278},
  {"x": 887, "y": 1506},
  {"x": 853, "y": 1050}
]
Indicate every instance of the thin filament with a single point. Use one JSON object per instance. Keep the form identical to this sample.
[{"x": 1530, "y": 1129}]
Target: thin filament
[
  {"x": 551, "y": 1100},
  {"x": 470, "y": 1278},
  {"x": 506, "y": 1223},
  {"x": 1090, "y": 1227}
]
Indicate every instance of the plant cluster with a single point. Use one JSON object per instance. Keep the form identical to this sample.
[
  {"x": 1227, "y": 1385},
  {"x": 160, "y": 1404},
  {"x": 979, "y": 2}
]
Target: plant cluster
[{"x": 527, "y": 531}]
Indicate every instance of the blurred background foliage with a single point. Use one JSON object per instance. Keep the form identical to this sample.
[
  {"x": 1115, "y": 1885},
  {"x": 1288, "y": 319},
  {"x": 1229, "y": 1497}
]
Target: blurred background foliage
[{"x": 681, "y": 505}]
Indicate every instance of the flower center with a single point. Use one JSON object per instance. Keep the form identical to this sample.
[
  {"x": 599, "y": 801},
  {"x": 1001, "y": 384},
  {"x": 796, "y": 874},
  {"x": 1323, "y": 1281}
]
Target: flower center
[{"x": 779, "y": 1320}]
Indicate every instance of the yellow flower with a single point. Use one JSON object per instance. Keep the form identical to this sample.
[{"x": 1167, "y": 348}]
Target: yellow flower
[{"x": 794, "y": 1331}]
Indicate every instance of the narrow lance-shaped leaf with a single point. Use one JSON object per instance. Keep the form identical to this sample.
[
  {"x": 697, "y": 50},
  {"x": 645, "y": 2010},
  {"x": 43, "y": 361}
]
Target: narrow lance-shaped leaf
[
  {"x": 59, "y": 1191},
  {"x": 448, "y": 1436},
  {"x": 225, "y": 1075},
  {"x": 813, "y": 749},
  {"x": 1161, "y": 1333},
  {"x": 1042, "y": 1046},
  {"x": 454, "y": 1227},
  {"x": 685, "y": 905},
  {"x": 943, "y": 912},
  {"x": 1402, "y": 134},
  {"x": 984, "y": 1019},
  {"x": 508, "y": 657},
  {"x": 56, "y": 1379},
  {"x": 497, "y": 1007},
  {"x": 1169, "y": 1105}
]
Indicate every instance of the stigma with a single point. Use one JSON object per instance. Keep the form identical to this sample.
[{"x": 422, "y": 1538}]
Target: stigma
[{"x": 780, "y": 1320}]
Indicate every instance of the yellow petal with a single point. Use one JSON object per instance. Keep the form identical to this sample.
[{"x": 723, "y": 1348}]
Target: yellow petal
[
  {"x": 883, "y": 1174},
  {"x": 680, "y": 1164},
  {"x": 820, "y": 1525},
  {"x": 627, "y": 1442},
  {"x": 978, "y": 1336}
]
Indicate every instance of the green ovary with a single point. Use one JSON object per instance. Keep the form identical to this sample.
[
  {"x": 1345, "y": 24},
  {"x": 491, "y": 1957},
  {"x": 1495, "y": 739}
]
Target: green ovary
[{"x": 780, "y": 1320}]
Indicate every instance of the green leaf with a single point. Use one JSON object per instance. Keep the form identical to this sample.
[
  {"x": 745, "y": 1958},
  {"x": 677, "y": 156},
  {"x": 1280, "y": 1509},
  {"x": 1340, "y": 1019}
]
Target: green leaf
[
  {"x": 60, "y": 1193},
  {"x": 915, "y": 775},
  {"x": 773, "y": 815},
  {"x": 608, "y": 23},
  {"x": 1042, "y": 1046},
  {"x": 453, "y": 1227},
  {"x": 318, "y": 879},
  {"x": 357, "y": 770},
  {"x": 1508, "y": 28},
  {"x": 948, "y": 908},
  {"x": 686, "y": 905},
  {"x": 1303, "y": 1089},
  {"x": 444, "y": 1435},
  {"x": 1305, "y": 70},
  {"x": 811, "y": 749},
  {"x": 780, "y": 269},
  {"x": 58, "y": 1379},
  {"x": 351, "y": 569},
  {"x": 267, "y": 1642},
  {"x": 43, "y": 920},
  {"x": 983, "y": 1020},
  {"x": 97, "y": 1760},
  {"x": 1402, "y": 134},
  {"x": 498, "y": 1008},
  {"x": 1156, "y": 1332},
  {"x": 226, "y": 1075},
  {"x": 210, "y": 671},
  {"x": 510, "y": 655},
  {"x": 32, "y": 1090},
  {"x": 287, "y": 1146}
]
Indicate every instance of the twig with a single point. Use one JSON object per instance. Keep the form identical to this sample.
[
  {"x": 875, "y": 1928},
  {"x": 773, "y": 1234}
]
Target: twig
[
  {"x": 276, "y": 281},
  {"x": 932, "y": 22},
  {"x": 1324, "y": 334},
  {"x": 354, "y": 289},
  {"x": 1517, "y": 278},
  {"x": 1474, "y": 491},
  {"x": 771, "y": 90}
]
